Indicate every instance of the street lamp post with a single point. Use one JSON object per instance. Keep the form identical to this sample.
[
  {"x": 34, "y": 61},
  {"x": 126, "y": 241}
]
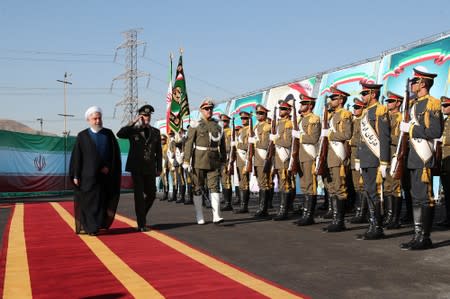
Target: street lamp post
[{"x": 65, "y": 132}]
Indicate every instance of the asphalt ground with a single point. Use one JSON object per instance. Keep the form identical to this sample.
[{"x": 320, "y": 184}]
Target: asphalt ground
[{"x": 306, "y": 259}]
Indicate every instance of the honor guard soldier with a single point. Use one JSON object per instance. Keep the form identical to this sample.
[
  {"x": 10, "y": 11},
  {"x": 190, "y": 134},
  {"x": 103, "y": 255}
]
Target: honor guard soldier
[
  {"x": 373, "y": 156},
  {"x": 225, "y": 176},
  {"x": 445, "y": 166},
  {"x": 360, "y": 195},
  {"x": 282, "y": 140},
  {"x": 308, "y": 135},
  {"x": 241, "y": 158},
  {"x": 261, "y": 143},
  {"x": 165, "y": 167},
  {"x": 424, "y": 127},
  {"x": 205, "y": 153},
  {"x": 392, "y": 187},
  {"x": 340, "y": 122},
  {"x": 180, "y": 140},
  {"x": 144, "y": 161},
  {"x": 172, "y": 165}
]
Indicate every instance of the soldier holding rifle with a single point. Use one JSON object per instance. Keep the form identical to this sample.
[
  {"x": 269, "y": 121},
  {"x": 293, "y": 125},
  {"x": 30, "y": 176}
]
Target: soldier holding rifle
[
  {"x": 226, "y": 173},
  {"x": 241, "y": 162},
  {"x": 425, "y": 126}
]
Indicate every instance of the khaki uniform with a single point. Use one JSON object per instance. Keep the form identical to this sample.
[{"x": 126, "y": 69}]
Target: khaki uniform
[
  {"x": 356, "y": 136},
  {"x": 335, "y": 180},
  {"x": 282, "y": 154},
  {"x": 445, "y": 169},
  {"x": 241, "y": 156},
  {"x": 205, "y": 144},
  {"x": 392, "y": 186},
  {"x": 310, "y": 128},
  {"x": 165, "y": 168},
  {"x": 226, "y": 177},
  {"x": 262, "y": 132}
]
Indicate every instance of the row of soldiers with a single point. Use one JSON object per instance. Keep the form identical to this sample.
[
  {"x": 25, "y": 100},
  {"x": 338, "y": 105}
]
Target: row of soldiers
[{"x": 361, "y": 147}]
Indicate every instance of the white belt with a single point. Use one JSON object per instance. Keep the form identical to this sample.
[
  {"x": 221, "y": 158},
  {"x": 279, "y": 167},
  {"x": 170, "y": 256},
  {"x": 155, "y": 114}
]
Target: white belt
[{"x": 204, "y": 148}]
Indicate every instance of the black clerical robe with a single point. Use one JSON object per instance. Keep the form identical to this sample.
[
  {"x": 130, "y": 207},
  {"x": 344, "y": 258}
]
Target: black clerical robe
[{"x": 97, "y": 196}]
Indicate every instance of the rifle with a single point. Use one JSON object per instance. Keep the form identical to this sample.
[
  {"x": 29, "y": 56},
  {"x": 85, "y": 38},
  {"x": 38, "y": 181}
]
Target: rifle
[
  {"x": 251, "y": 147},
  {"x": 271, "y": 149},
  {"x": 321, "y": 159},
  {"x": 398, "y": 160},
  {"x": 232, "y": 157},
  {"x": 294, "y": 163}
]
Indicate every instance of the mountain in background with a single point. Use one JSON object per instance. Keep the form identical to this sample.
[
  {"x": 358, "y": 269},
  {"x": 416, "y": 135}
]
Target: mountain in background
[{"x": 15, "y": 126}]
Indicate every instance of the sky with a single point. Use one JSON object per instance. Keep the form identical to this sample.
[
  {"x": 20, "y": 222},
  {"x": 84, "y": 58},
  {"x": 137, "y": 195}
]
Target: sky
[{"x": 230, "y": 48}]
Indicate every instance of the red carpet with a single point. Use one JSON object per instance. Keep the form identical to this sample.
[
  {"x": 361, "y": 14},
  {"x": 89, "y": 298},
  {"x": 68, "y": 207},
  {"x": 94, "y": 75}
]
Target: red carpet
[{"x": 57, "y": 263}]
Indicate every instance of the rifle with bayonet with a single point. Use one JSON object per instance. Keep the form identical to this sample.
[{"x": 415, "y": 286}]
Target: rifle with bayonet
[
  {"x": 271, "y": 149},
  {"x": 294, "y": 162},
  {"x": 250, "y": 148},
  {"x": 232, "y": 157},
  {"x": 321, "y": 159}
]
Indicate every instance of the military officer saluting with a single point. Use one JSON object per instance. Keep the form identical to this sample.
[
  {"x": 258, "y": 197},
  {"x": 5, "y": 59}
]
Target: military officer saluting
[
  {"x": 282, "y": 140},
  {"x": 261, "y": 142},
  {"x": 308, "y": 135},
  {"x": 241, "y": 162},
  {"x": 205, "y": 153},
  {"x": 340, "y": 122},
  {"x": 144, "y": 161},
  {"x": 225, "y": 176},
  {"x": 445, "y": 166},
  {"x": 392, "y": 187},
  {"x": 424, "y": 127}
]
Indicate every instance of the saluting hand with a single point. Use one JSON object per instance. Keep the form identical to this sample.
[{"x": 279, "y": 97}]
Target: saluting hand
[{"x": 76, "y": 182}]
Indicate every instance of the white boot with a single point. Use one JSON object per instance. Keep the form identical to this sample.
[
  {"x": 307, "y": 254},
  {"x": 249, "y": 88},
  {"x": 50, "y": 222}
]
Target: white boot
[
  {"x": 198, "y": 209},
  {"x": 215, "y": 204}
]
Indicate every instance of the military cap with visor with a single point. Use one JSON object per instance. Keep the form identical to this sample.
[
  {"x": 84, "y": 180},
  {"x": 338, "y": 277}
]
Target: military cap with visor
[{"x": 146, "y": 110}]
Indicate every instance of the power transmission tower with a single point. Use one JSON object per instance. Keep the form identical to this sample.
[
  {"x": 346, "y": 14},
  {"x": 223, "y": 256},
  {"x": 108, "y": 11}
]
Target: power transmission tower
[{"x": 130, "y": 100}]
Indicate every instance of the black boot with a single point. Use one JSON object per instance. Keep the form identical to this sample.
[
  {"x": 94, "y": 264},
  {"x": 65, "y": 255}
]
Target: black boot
[
  {"x": 237, "y": 196},
  {"x": 326, "y": 202},
  {"x": 182, "y": 194},
  {"x": 361, "y": 209},
  {"x": 190, "y": 199},
  {"x": 174, "y": 195},
  {"x": 282, "y": 212},
  {"x": 329, "y": 213},
  {"x": 227, "y": 199},
  {"x": 270, "y": 199},
  {"x": 396, "y": 209},
  {"x": 263, "y": 199},
  {"x": 375, "y": 231},
  {"x": 389, "y": 210},
  {"x": 338, "y": 215},
  {"x": 245, "y": 196},
  {"x": 408, "y": 217},
  {"x": 423, "y": 241},
  {"x": 308, "y": 211}
]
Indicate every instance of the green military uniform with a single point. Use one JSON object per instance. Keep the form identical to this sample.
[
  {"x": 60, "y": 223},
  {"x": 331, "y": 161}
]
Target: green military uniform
[
  {"x": 283, "y": 143},
  {"x": 310, "y": 128},
  {"x": 392, "y": 187},
  {"x": 241, "y": 162},
  {"x": 262, "y": 132},
  {"x": 226, "y": 176},
  {"x": 445, "y": 166},
  {"x": 205, "y": 153},
  {"x": 360, "y": 200}
]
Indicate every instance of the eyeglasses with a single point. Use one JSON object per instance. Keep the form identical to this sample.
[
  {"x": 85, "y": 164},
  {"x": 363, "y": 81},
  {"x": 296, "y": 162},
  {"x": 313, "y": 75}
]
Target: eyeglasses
[
  {"x": 225, "y": 120},
  {"x": 261, "y": 113},
  {"x": 208, "y": 109},
  {"x": 365, "y": 92},
  {"x": 356, "y": 107},
  {"x": 445, "y": 105},
  {"x": 284, "y": 108},
  {"x": 244, "y": 117},
  {"x": 391, "y": 100}
]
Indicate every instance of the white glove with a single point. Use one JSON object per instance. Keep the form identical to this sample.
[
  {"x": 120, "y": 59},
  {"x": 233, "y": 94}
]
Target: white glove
[
  {"x": 233, "y": 143},
  {"x": 186, "y": 166},
  {"x": 404, "y": 127},
  {"x": 251, "y": 140},
  {"x": 295, "y": 134},
  {"x": 273, "y": 137},
  {"x": 383, "y": 170},
  {"x": 324, "y": 133},
  {"x": 357, "y": 166}
]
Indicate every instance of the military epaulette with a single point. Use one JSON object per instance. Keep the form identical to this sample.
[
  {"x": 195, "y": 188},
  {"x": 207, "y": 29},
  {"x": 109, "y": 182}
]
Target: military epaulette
[
  {"x": 399, "y": 117},
  {"x": 288, "y": 124},
  {"x": 194, "y": 124},
  {"x": 433, "y": 104},
  {"x": 381, "y": 110},
  {"x": 313, "y": 119},
  {"x": 267, "y": 127},
  {"x": 346, "y": 114}
]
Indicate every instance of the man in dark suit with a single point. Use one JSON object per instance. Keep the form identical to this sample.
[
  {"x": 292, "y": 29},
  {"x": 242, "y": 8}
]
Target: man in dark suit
[{"x": 144, "y": 161}]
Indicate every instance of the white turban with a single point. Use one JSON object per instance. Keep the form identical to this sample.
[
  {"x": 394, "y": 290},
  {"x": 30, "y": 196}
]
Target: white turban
[{"x": 91, "y": 110}]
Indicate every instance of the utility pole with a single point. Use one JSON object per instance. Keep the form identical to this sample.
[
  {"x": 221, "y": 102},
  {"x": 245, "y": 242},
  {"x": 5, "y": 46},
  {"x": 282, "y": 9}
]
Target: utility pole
[
  {"x": 130, "y": 99},
  {"x": 65, "y": 132},
  {"x": 41, "y": 121}
]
